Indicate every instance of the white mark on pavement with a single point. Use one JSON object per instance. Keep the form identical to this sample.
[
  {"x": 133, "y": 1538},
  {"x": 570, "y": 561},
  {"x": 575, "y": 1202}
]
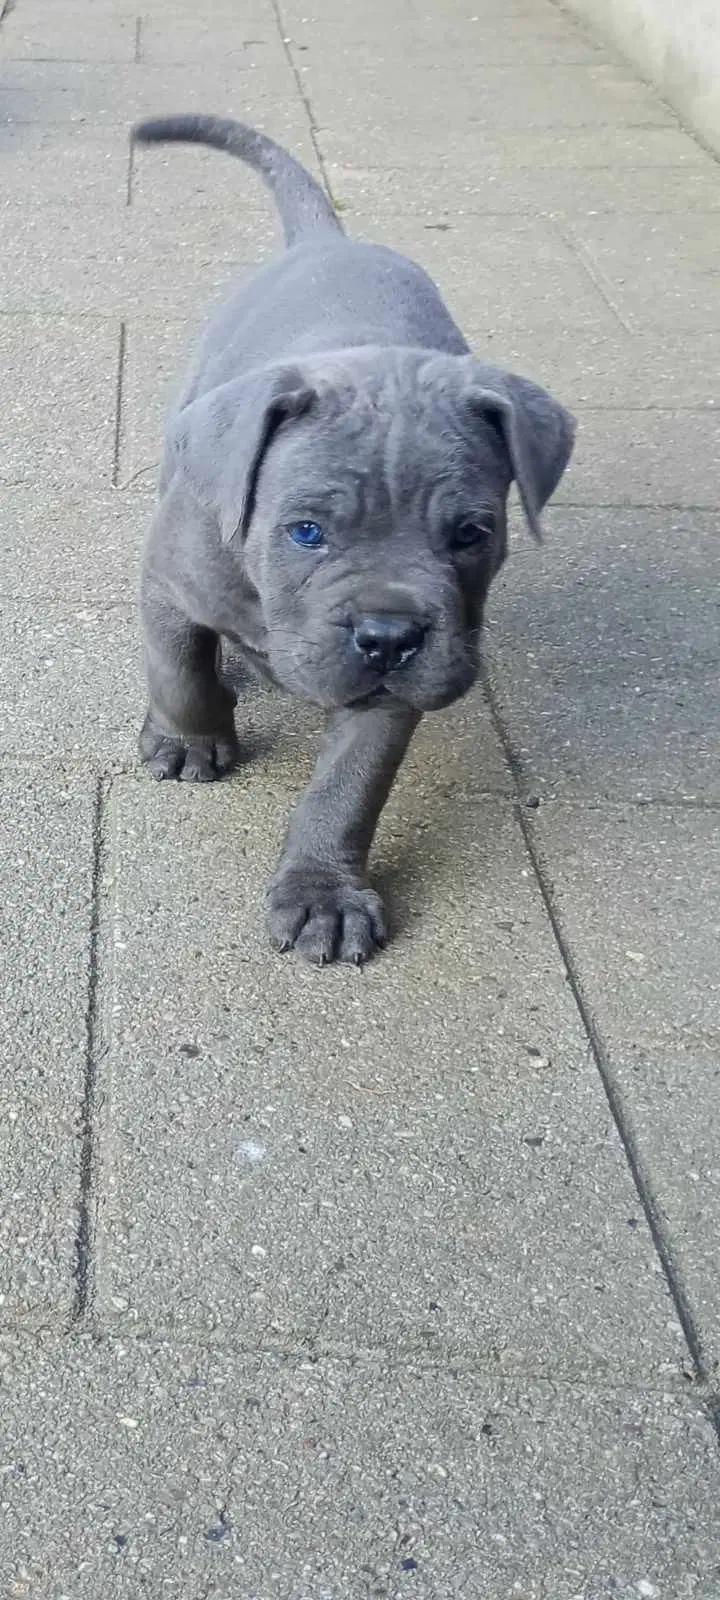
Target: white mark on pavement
[{"x": 250, "y": 1151}]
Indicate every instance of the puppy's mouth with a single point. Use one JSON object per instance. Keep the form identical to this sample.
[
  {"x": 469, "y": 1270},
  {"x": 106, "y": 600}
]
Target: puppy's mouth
[{"x": 432, "y": 700}]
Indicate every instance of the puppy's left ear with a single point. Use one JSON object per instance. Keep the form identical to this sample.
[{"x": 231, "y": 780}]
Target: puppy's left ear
[{"x": 539, "y": 434}]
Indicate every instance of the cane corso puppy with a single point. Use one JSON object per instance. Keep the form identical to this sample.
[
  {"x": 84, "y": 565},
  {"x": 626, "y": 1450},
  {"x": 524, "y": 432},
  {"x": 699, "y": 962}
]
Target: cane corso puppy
[{"x": 333, "y": 502}]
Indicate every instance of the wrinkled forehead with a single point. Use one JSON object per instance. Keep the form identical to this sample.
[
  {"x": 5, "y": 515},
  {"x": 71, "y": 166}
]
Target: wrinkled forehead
[{"x": 368, "y": 459}]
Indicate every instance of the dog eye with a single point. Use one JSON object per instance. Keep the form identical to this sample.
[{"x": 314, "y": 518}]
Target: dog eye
[
  {"x": 466, "y": 534},
  {"x": 307, "y": 534}
]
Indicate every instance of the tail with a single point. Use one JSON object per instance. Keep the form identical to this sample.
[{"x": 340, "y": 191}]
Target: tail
[{"x": 302, "y": 204}]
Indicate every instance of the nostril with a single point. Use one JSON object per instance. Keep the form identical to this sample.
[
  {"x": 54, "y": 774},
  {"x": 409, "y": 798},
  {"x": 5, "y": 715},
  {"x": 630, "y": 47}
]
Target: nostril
[{"x": 387, "y": 641}]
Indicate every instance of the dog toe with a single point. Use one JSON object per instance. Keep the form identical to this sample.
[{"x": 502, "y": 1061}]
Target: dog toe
[
  {"x": 362, "y": 934},
  {"x": 167, "y": 759},
  {"x": 325, "y": 919}
]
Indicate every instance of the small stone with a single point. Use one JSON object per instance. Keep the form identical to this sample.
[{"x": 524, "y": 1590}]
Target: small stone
[
  {"x": 250, "y": 1151},
  {"x": 214, "y": 1535}
]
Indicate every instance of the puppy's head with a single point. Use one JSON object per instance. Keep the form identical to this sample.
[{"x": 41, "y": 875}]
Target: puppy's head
[{"x": 366, "y": 493}]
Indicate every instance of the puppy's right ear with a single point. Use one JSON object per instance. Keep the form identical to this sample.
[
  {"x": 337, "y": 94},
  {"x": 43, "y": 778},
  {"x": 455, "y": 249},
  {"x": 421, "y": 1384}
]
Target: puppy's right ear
[{"x": 219, "y": 441}]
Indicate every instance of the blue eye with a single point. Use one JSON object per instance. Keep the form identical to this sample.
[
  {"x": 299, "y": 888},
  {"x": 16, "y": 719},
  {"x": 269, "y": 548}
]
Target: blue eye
[
  {"x": 467, "y": 534},
  {"x": 307, "y": 534}
]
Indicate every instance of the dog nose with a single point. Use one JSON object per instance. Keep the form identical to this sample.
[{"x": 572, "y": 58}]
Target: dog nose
[{"x": 388, "y": 641}]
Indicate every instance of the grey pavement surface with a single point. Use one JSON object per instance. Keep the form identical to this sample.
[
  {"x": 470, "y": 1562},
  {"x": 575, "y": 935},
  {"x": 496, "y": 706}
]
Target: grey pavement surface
[{"x": 318, "y": 1286}]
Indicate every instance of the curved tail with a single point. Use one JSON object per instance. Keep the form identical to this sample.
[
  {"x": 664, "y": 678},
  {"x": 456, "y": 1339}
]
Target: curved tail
[{"x": 302, "y": 204}]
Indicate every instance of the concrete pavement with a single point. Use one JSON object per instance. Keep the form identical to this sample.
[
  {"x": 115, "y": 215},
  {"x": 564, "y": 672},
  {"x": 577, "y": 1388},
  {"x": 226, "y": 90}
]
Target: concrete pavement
[{"x": 319, "y": 1286}]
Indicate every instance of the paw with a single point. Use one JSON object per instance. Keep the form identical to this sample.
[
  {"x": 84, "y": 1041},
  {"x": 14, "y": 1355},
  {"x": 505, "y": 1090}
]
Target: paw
[
  {"x": 324, "y": 916},
  {"x": 196, "y": 759}
]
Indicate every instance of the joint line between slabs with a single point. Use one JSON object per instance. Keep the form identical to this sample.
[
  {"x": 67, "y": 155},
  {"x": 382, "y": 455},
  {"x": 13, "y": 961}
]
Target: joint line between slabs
[
  {"x": 602, "y": 1063},
  {"x": 285, "y": 42},
  {"x": 84, "y": 1239},
  {"x": 119, "y": 387}
]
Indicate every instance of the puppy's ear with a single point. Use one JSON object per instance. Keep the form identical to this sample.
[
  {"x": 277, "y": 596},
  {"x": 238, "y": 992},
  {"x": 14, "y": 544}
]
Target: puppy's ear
[
  {"x": 219, "y": 441},
  {"x": 539, "y": 434}
]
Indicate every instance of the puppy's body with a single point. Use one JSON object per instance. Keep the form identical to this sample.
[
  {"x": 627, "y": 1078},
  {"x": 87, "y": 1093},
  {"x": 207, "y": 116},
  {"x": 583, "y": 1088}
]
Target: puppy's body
[{"x": 332, "y": 499}]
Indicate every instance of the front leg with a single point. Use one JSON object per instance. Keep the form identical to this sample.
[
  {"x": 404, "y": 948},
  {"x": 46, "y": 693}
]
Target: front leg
[
  {"x": 189, "y": 730},
  {"x": 319, "y": 900}
]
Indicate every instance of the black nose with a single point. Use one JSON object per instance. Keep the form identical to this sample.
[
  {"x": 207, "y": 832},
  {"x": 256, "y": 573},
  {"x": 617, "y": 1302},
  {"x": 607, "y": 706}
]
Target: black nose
[{"x": 387, "y": 641}]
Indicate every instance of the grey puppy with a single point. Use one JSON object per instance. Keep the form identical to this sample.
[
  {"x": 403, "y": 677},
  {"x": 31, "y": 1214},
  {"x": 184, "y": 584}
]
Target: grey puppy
[{"x": 333, "y": 501}]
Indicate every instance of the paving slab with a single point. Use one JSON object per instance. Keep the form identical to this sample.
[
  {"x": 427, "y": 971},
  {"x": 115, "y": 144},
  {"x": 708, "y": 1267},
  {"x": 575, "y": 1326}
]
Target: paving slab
[
  {"x": 659, "y": 270},
  {"x": 357, "y": 121},
  {"x": 596, "y": 370},
  {"x": 631, "y": 457},
  {"x": 543, "y": 150},
  {"x": 450, "y": 1103},
  {"x": 603, "y": 648},
  {"x": 107, "y": 33},
  {"x": 157, "y": 355},
  {"x": 507, "y": 273},
  {"x": 59, "y": 384},
  {"x": 638, "y": 893},
  {"x": 86, "y": 165},
  {"x": 258, "y": 16},
  {"x": 497, "y": 37},
  {"x": 423, "y": 22},
  {"x": 485, "y": 188},
  {"x": 239, "y": 37},
  {"x": 46, "y": 868},
  {"x": 193, "y": 189},
  {"x": 141, "y": 1468},
  {"x": 71, "y": 690},
  {"x": 104, "y": 94},
  {"x": 97, "y": 34},
  {"x": 103, "y": 262},
  {"x": 71, "y": 546}
]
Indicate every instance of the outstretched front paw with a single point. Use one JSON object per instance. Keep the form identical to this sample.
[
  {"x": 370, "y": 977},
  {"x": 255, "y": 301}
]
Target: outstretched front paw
[
  {"x": 195, "y": 759},
  {"x": 324, "y": 915}
]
